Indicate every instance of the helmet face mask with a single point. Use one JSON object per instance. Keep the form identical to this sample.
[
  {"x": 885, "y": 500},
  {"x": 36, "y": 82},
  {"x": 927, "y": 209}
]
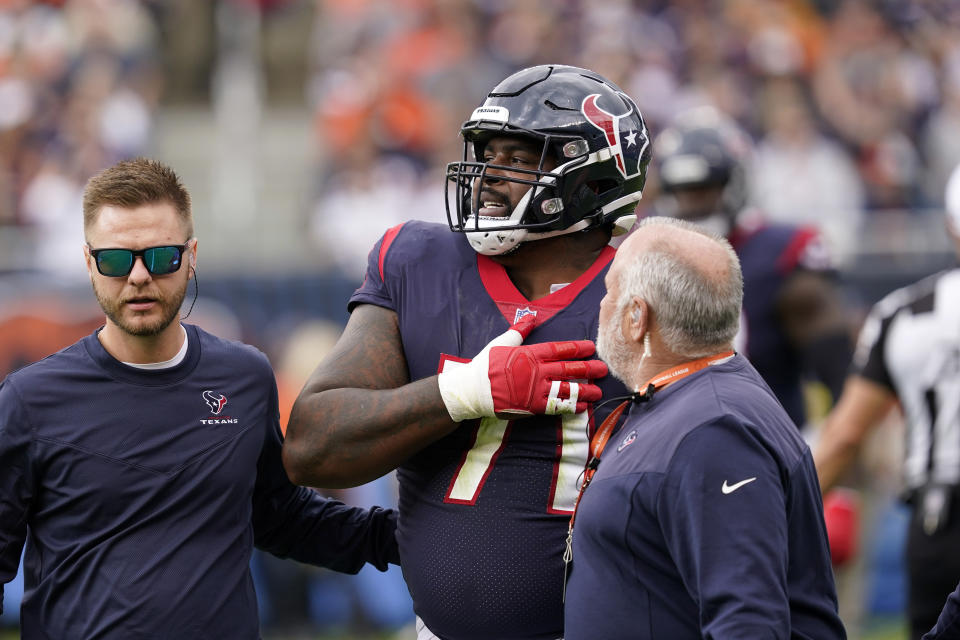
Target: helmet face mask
[
  {"x": 471, "y": 175},
  {"x": 594, "y": 150}
]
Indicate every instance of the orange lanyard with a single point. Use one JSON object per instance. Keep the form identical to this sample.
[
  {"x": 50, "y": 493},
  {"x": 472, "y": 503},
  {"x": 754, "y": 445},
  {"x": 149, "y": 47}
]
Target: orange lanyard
[{"x": 600, "y": 438}]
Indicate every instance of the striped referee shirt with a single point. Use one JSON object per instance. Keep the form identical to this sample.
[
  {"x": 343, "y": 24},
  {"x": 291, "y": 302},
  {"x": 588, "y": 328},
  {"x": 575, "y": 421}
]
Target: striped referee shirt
[{"x": 910, "y": 343}]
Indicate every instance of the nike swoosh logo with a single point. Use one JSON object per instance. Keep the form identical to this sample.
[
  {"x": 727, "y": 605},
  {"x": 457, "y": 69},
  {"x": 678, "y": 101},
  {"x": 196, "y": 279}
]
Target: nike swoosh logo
[{"x": 730, "y": 488}]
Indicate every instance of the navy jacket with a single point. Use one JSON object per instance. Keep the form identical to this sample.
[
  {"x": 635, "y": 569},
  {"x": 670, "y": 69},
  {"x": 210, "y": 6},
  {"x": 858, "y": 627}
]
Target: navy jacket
[{"x": 704, "y": 520}]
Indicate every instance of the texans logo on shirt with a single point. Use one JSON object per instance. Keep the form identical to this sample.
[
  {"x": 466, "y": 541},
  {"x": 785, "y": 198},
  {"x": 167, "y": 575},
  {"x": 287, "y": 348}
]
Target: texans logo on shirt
[
  {"x": 628, "y": 440},
  {"x": 215, "y": 402}
]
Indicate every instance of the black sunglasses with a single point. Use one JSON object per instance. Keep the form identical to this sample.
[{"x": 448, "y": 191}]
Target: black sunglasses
[{"x": 159, "y": 261}]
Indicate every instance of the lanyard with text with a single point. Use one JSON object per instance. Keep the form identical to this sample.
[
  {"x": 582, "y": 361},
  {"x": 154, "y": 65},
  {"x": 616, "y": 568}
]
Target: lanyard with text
[{"x": 600, "y": 438}]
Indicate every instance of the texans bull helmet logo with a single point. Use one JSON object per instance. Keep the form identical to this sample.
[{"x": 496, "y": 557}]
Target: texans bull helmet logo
[
  {"x": 628, "y": 155},
  {"x": 216, "y": 402}
]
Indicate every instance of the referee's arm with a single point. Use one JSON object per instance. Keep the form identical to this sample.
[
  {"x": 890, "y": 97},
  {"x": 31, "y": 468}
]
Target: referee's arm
[{"x": 861, "y": 407}]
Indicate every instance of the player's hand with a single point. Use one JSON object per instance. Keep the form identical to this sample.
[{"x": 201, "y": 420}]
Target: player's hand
[{"x": 513, "y": 379}]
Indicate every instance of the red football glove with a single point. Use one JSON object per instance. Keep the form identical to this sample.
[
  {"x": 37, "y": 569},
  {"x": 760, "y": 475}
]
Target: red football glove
[
  {"x": 507, "y": 377},
  {"x": 841, "y": 514}
]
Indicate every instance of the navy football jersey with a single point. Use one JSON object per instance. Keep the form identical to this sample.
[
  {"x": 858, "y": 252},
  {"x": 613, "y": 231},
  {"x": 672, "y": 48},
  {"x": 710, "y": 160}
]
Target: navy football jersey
[
  {"x": 769, "y": 255},
  {"x": 484, "y": 510}
]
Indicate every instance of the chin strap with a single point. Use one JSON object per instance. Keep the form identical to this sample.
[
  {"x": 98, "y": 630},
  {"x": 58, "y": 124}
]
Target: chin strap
[{"x": 497, "y": 243}]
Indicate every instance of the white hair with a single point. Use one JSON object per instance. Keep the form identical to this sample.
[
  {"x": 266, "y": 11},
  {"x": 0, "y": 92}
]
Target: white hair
[{"x": 696, "y": 313}]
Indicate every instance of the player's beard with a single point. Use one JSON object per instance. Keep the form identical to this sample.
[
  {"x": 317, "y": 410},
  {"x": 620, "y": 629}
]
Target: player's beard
[
  {"x": 169, "y": 309},
  {"x": 612, "y": 349}
]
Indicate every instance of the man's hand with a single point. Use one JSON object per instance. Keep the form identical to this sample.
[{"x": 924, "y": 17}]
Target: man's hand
[{"x": 510, "y": 378}]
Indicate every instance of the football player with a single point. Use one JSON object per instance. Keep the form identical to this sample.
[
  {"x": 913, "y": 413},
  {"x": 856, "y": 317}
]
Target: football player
[
  {"x": 488, "y": 451},
  {"x": 795, "y": 327}
]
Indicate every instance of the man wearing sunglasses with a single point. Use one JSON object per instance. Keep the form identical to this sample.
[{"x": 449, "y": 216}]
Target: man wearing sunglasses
[{"x": 142, "y": 464}]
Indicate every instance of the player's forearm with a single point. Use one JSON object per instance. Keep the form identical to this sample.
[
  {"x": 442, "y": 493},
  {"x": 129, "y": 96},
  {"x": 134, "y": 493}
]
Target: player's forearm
[
  {"x": 346, "y": 437},
  {"x": 862, "y": 405},
  {"x": 834, "y": 455},
  {"x": 307, "y": 527}
]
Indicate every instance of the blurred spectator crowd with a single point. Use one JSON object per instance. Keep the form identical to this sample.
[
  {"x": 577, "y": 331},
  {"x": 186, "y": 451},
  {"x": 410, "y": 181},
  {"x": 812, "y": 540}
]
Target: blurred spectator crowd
[
  {"x": 78, "y": 86},
  {"x": 854, "y": 104}
]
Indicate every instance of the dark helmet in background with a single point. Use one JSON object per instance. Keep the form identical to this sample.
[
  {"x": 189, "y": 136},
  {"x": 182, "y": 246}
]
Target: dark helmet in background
[
  {"x": 594, "y": 132},
  {"x": 701, "y": 160}
]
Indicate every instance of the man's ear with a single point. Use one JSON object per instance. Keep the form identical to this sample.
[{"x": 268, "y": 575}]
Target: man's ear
[
  {"x": 640, "y": 319},
  {"x": 88, "y": 260}
]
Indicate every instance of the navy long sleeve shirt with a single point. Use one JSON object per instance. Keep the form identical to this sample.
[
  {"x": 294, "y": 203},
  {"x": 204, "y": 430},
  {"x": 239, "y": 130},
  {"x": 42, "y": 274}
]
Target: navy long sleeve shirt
[
  {"x": 140, "y": 494},
  {"x": 704, "y": 520}
]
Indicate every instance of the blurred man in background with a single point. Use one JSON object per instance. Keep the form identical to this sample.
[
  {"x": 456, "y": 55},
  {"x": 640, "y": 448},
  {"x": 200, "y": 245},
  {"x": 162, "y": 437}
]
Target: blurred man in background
[
  {"x": 490, "y": 450},
  {"x": 794, "y": 326},
  {"x": 909, "y": 353}
]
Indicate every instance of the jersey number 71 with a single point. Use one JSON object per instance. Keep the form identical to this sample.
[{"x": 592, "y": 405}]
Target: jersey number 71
[{"x": 491, "y": 437}]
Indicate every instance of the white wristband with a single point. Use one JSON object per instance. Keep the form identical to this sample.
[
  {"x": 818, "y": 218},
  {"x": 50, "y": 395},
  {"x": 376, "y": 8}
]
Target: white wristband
[
  {"x": 466, "y": 394},
  {"x": 465, "y": 386}
]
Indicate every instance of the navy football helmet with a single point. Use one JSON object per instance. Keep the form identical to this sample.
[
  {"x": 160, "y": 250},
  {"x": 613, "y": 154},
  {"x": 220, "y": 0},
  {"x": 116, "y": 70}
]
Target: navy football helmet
[
  {"x": 594, "y": 132},
  {"x": 704, "y": 148}
]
